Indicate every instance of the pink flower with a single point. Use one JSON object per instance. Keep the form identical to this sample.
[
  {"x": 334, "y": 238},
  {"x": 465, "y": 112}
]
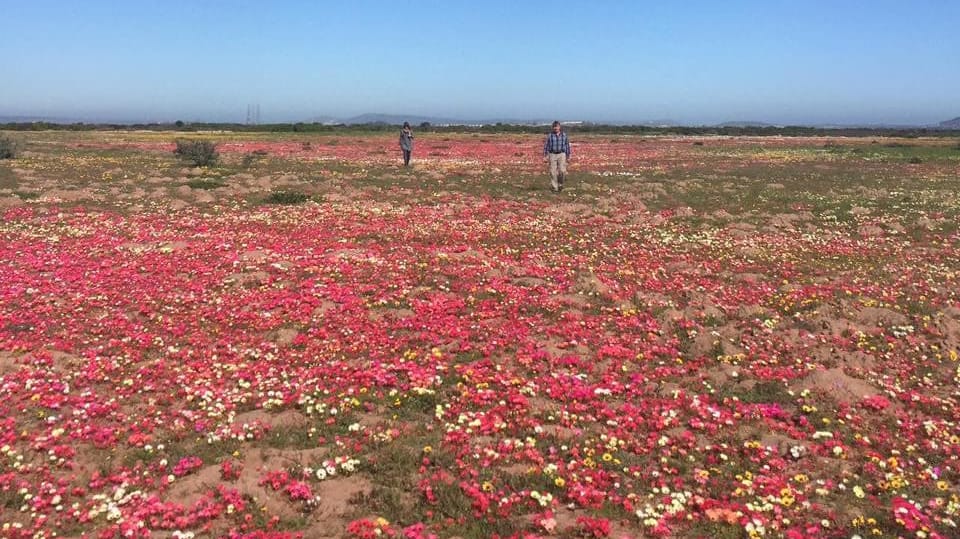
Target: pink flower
[{"x": 187, "y": 465}]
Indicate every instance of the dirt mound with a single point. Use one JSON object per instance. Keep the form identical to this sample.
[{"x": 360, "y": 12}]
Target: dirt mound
[
  {"x": 880, "y": 317},
  {"x": 838, "y": 385}
]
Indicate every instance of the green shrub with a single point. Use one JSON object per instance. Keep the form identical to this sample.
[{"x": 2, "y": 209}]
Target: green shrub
[
  {"x": 205, "y": 183},
  {"x": 250, "y": 158},
  {"x": 8, "y": 148},
  {"x": 287, "y": 197},
  {"x": 915, "y": 160},
  {"x": 201, "y": 153}
]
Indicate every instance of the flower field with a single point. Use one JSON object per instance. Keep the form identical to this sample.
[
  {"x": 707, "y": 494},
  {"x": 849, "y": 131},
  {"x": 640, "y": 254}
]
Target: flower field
[{"x": 700, "y": 337}]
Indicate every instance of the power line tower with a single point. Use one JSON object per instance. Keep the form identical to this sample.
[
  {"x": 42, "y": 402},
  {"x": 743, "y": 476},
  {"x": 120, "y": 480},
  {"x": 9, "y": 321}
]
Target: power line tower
[{"x": 253, "y": 114}]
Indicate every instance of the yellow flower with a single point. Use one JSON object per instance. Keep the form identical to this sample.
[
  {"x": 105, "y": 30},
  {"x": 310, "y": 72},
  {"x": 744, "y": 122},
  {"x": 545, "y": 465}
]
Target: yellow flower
[
  {"x": 487, "y": 486},
  {"x": 943, "y": 485},
  {"x": 427, "y": 449},
  {"x": 607, "y": 457},
  {"x": 560, "y": 482}
]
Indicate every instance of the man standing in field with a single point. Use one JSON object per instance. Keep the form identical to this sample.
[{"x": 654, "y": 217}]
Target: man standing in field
[
  {"x": 406, "y": 143},
  {"x": 556, "y": 149}
]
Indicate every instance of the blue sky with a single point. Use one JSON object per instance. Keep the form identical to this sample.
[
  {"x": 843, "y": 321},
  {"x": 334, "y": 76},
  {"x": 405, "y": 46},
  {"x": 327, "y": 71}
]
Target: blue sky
[{"x": 690, "y": 61}]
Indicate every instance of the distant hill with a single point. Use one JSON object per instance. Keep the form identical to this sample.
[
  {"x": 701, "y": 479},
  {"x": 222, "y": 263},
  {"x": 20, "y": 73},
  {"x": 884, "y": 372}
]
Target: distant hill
[
  {"x": 326, "y": 120},
  {"x": 396, "y": 119},
  {"x": 31, "y": 119},
  {"x": 951, "y": 124},
  {"x": 744, "y": 124}
]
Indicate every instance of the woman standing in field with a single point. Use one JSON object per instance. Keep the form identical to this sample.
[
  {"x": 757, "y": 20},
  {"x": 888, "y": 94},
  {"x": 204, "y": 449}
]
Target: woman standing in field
[{"x": 406, "y": 143}]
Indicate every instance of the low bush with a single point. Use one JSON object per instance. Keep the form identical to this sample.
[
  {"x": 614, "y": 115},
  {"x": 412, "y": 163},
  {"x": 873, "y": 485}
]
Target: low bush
[
  {"x": 287, "y": 197},
  {"x": 201, "y": 153},
  {"x": 8, "y": 148},
  {"x": 249, "y": 159},
  {"x": 205, "y": 183},
  {"x": 915, "y": 160}
]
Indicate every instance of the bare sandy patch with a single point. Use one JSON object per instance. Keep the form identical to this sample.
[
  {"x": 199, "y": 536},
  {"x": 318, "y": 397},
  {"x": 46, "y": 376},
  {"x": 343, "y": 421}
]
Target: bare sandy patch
[{"x": 841, "y": 387}]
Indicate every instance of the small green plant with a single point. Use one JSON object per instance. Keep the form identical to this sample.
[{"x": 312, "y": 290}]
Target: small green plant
[
  {"x": 8, "y": 148},
  {"x": 767, "y": 391},
  {"x": 287, "y": 197},
  {"x": 717, "y": 530},
  {"x": 205, "y": 183},
  {"x": 201, "y": 153},
  {"x": 250, "y": 158},
  {"x": 915, "y": 160},
  {"x": 27, "y": 195}
]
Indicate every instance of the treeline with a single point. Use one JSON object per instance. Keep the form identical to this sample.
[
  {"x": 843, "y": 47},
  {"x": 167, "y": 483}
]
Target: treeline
[{"x": 184, "y": 127}]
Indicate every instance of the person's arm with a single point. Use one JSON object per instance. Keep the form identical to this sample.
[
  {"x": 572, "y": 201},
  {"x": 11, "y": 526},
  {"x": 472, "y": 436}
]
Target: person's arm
[{"x": 566, "y": 146}]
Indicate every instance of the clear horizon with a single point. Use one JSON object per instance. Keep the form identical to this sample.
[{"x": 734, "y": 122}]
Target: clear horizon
[{"x": 699, "y": 63}]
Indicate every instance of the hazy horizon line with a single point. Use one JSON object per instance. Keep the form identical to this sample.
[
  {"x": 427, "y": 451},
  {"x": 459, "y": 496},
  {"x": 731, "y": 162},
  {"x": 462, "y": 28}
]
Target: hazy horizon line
[{"x": 442, "y": 119}]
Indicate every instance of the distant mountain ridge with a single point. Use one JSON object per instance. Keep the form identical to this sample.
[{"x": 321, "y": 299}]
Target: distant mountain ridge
[
  {"x": 32, "y": 119},
  {"x": 951, "y": 124},
  {"x": 397, "y": 119},
  {"x": 744, "y": 124},
  {"x": 417, "y": 120}
]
